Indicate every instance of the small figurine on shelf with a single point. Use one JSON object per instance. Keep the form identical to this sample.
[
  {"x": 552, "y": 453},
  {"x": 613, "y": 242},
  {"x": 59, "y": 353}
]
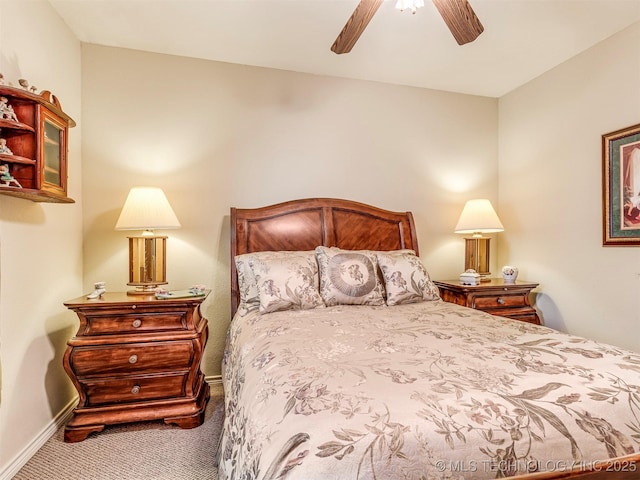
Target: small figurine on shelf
[
  {"x": 3, "y": 147},
  {"x": 6, "y": 178},
  {"x": 6, "y": 110}
]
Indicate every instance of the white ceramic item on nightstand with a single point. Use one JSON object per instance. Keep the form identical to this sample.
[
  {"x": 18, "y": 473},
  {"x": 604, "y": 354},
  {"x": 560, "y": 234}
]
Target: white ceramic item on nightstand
[{"x": 509, "y": 273}]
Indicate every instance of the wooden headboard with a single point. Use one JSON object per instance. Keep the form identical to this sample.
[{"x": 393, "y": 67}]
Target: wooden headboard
[{"x": 306, "y": 224}]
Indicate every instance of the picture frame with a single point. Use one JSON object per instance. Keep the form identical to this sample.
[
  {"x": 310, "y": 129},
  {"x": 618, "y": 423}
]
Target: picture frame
[{"x": 621, "y": 187}]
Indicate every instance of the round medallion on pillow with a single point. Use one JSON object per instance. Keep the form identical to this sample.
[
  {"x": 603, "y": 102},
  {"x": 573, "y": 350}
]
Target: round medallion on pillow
[{"x": 352, "y": 274}]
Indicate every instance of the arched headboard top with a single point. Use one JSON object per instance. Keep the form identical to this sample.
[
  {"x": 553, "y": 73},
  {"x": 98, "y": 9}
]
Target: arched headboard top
[{"x": 300, "y": 225}]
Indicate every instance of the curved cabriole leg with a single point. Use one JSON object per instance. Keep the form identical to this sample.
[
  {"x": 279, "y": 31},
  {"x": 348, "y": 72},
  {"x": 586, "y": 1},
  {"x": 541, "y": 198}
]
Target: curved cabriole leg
[
  {"x": 78, "y": 434},
  {"x": 196, "y": 419}
]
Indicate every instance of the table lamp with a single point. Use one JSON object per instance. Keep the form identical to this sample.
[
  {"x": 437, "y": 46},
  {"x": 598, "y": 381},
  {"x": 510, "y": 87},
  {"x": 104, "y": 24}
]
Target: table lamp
[
  {"x": 478, "y": 217},
  {"x": 147, "y": 209}
]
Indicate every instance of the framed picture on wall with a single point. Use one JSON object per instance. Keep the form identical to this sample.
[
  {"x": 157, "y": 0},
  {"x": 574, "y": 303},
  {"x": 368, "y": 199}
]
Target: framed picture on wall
[{"x": 621, "y": 186}]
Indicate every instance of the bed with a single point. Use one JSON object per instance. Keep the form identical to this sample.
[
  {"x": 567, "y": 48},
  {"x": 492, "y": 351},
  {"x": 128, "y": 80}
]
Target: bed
[{"x": 323, "y": 380}]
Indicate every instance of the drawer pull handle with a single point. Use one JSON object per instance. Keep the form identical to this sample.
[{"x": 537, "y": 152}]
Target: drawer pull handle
[
  {"x": 136, "y": 323},
  {"x": 501, "y": 301},
  {"x": 133, "y": 359},
  {"x": 135, "y": 389}
]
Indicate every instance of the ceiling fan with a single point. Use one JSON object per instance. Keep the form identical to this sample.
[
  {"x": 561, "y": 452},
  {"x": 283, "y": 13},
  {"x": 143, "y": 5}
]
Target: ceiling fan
[{"x": 457, "y": 14}]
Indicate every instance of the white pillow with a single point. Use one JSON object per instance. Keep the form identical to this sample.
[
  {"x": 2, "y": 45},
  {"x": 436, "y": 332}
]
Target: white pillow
[
  {"x": 406, "y": 279},
  {"x": 249, "y": 263},
  {"x": 349, "y": 277},
  {"x": 288, "y": 283}
]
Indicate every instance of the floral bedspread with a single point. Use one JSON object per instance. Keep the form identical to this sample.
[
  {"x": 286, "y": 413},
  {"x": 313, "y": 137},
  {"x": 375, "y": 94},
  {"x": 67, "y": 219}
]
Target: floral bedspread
[{"x": 422, "y": 391}]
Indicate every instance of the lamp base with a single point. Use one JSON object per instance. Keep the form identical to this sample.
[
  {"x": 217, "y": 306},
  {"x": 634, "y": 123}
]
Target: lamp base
[
  {"x": 476, "y": 256},
  {"x": 147, "y": 263},
  {"x": 143, "y": 290}
]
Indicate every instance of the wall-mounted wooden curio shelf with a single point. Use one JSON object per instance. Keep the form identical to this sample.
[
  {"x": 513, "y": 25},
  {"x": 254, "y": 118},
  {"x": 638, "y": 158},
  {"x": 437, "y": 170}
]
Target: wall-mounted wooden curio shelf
[{"x": 33, "y": 145}]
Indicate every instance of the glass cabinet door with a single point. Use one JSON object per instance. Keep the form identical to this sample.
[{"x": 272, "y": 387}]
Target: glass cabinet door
[{"x": 52, "y": 155}]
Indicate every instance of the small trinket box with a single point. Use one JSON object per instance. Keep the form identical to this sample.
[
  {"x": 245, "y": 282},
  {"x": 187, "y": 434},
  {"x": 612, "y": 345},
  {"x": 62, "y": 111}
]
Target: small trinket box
[{"x": 470, "y": 277}]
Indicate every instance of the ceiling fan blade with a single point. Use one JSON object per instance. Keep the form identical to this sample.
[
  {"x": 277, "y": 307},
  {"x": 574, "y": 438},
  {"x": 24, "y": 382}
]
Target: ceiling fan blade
[
  {"x": 461, "y": 19},
  {"x": 356, "y": 24}
]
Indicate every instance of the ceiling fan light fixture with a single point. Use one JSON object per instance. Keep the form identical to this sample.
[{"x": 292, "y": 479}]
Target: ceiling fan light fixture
[
  {"x": 457, "y": 14},
  {"x": 413, "y": 5}
]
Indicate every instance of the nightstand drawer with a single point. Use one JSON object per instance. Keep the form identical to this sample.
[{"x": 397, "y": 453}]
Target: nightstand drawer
[
  {"x": 132, "y": 323},
  {"x": 133, "y": 389},
  {"x": 132, "y": 359},
  {"x": 483, "y": 302}
]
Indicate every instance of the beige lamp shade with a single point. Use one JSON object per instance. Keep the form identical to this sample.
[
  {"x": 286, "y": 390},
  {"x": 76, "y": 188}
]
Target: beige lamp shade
[
  {"x": 147, "y": 208},
  {"x": 478, "y": 216}
]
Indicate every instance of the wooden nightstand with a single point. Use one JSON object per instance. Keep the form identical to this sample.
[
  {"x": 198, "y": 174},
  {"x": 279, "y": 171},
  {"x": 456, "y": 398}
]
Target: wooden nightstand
[
  {"x": 495, "y": 297},
  {"x": 136, "y": 358}
]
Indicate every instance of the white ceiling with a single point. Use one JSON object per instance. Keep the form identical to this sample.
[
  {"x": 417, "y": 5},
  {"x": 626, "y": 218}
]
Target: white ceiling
[{"x": 522, "y": 38}]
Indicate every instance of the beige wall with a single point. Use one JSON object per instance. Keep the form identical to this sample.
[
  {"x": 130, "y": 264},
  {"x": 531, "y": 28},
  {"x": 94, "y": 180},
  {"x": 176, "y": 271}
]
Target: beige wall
[
  {"x": 40, "y": 243},
  {"x": 216, "y": 135},
  {"x": 550, "y": 190}
]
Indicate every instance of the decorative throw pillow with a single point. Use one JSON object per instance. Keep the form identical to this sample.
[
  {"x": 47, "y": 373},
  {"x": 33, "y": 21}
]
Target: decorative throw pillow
[
  {"x": 406, "y": 279},
  {"x": 349, "y": 277},
  {"x": 247, "y": 263},
  {"x": 288, "y": 283}
]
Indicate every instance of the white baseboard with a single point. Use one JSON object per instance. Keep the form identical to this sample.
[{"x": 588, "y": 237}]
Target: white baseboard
[
  {"x": 213, "y": 379},
  {"x": 38, "y": 441},
  {"x": 48, "y": 431},
  {"x": 215, "y": 382}
]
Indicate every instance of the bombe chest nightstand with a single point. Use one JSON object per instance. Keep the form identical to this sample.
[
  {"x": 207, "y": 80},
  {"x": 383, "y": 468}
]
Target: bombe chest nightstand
[
  {"x": 136, "y": 358},
  {"x": 495, "y": 297}
]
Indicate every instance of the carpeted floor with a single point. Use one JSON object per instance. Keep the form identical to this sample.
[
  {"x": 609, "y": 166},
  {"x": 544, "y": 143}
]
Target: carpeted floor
[{"x": 146, "y": 450}]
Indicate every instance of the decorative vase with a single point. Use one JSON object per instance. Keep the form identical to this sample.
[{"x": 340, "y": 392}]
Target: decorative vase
[{"x": 509, "y": 273}]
